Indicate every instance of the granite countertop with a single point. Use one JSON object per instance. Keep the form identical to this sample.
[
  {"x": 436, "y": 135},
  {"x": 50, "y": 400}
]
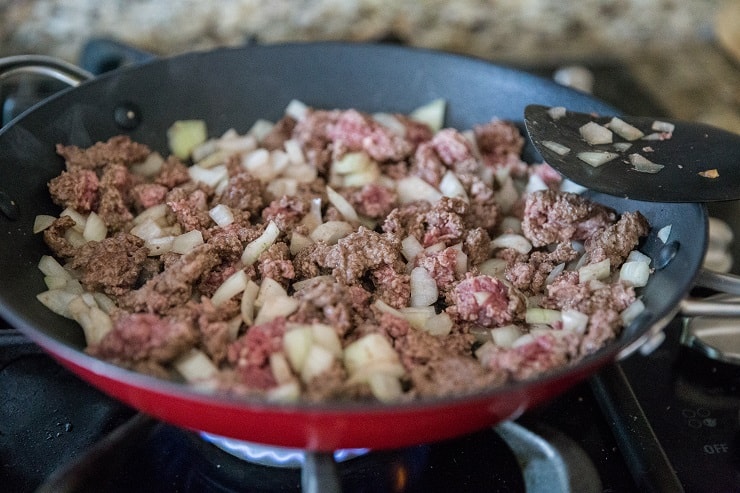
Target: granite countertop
[{"x": 674, "y": 48}]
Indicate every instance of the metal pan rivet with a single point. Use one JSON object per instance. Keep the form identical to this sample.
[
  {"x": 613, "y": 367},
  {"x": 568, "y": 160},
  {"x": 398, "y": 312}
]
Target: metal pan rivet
[
  {"x": 127, "y": 116},
  {"x": 666, "y": 254},
  {"x": 9, "y": 207}
]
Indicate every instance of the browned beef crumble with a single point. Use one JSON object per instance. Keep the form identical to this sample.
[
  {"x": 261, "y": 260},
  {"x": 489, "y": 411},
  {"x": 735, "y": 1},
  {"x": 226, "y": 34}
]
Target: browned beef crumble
[{"x": 164, "y": 307}]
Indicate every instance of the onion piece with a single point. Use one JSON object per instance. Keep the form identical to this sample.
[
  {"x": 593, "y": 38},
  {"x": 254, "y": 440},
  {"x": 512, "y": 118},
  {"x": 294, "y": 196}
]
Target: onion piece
[
  {"x": 41, "y": 222},
  {"x": 50, "y": 266},
  {"x": 514, "y": 241},
  {"x": 622, "y": 146},
  {"x": 555, "y": 147},
  {"x": 638, "y": 256},
  {"x": 221, "y": 215},
  {"x": 596, "y": 134},
  {"x": 195, "y": 366},
  {"x": 574, "y": 320},
  {"x": 596, "y": 158},
  {"x": 413, "y": 188},
  {"x": 411, "y": 248},
  {"x": 505, "y": 335},
  {"x": 597, "y": 271},
  {"x": 557, "y": 112},
  {"x": 424, "y": 290},
  {"x": 537, "y": 315},
  {"x": 233, "y": 285},
  {"x": 95, "y": 228},
  {"x": 630, "y": 313},
  {"x": 296, "y": 109},
  {"x": 664, "y": 233},
  {"x": 185, "y": 135},
  {"x": 642, "y": 164},
  {"x": 187, "y": 241},
  {"x": 450, "y": 186},
  {"x": 255, "y": 248},
  {"x": 331, "y": 232},
  {"x": 342, "y": 205},
  {"x": 432, "y": 114},
  {"x": 660, "y": 126},
  {"x": 624, "y": 129},
  {"x": 634, "y": 273},
  {"x": 249, "y": 298},
  {"x": 438, "y": 325}
]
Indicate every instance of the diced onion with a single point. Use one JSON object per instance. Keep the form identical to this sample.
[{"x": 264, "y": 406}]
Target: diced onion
[
  {"x": 255, "y": 248},
  {"x": 424, "y": 290},
  {"x": 596, "y": 158},
  {"x": 95, "y": 228},
  {"x": 556, "y": 147},
  {"x": 318, "y": 360},
  {"x": 296, "y": 109},
  {"x": 211, "y": 176},
  {"x": 185, "y": 135},
  {"x": 632, "y": 312},
  {"x": 274, "y": 307},
  {"x": 342, "y": 205},
  {"x": 260, "y": 128},
  {"x": 331, "y": 232},
  {"x": 557, "y": 112},
  {"x": 413, "y": 188},
  {"x": 664, "y": 233},
  {"x": 595, "y": 134},
  {"x": 439, "y": 325},
  {"x": 221, "y": 215},
  {"x": 574, "y": 320},
  {"x": 598, "y": 271},
  {"x": 661, "y": 126},
  {"x": 622, "y": 146},
  {"x": 432, "y": 114},
  {"x": 644, "y": 165},
  {"x": 638, "y": 256},
  {"x": 195, "y": 366},
  {"x": 624, "y": 129},
  {"x": 536, "y": 315},
  {"x": 187, "y": 241},
  {"x": 514, "y": 241},
  {"x": 411, "y": 248},
  {"x": 635, "y": 273},
  {"x": 42, "y": 221},
  {"x": 505, "y": 335},
  {"x": 494, "y": 267},
  {"x": 450, "y": 186},
  {"x": 249, "y": 297},
  {"x": 50, "y": 266},
  {"x": 233, "y": 285}
]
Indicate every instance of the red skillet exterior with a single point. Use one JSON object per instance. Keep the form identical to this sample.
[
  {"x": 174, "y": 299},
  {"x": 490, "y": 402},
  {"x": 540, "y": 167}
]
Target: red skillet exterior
[
  {"x": 263, "y": 80},
  {"x": 327, "y": 429}
]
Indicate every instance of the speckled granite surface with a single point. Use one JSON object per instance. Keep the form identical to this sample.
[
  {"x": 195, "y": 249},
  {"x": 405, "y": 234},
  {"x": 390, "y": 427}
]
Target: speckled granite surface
[{"x": 668, "y": 44}]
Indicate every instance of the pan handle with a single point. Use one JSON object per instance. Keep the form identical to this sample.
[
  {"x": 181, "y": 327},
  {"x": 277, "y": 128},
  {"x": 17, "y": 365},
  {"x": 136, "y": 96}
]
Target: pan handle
[{"x": 55, "y": 68}]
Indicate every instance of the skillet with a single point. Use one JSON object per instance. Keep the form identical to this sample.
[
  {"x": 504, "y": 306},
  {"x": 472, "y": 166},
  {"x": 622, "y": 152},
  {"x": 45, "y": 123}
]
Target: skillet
[{"x": 233, "y": 87}]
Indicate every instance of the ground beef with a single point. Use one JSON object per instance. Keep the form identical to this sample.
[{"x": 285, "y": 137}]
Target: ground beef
[
  {"x": 441, "y": 266},
  {"x": 445, "y": 223},
  {"x": 358, "y": 285},
  {"x": 547, "y": 352},
  {"x": 174, "y": 286},
  {"x": 275, "y": 263},
  {"x": 500, "y": 143},
  {"x": 556, "y": 217},
  {"x": 531, "y": 273},
  {"x": 147, "y": 195},
  {"x": 190, "y": 208},
  {"x": 334, "y": 303},
  {"x": 250, "y": 354},
  {"x": 76, "y": 188},
  {"x": 118, "y": 150},
  {"x": 138, "y": 337},
  {"x": 487, "y": 301},
  {"x": 245, "y": 193},
  {"x": 286, "y": 212},
  {"x": 358, "y": 253},
  {"x": 54, "y": 237},
  {"x": 278, "y": 134},
  {"x": 173, "y": 173},
  {"x": 436, "y": 370},
  {"x": 618, "y": 240},
  {"x": 373, "y": 200},
  {"x": 111, "y": 265}
]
